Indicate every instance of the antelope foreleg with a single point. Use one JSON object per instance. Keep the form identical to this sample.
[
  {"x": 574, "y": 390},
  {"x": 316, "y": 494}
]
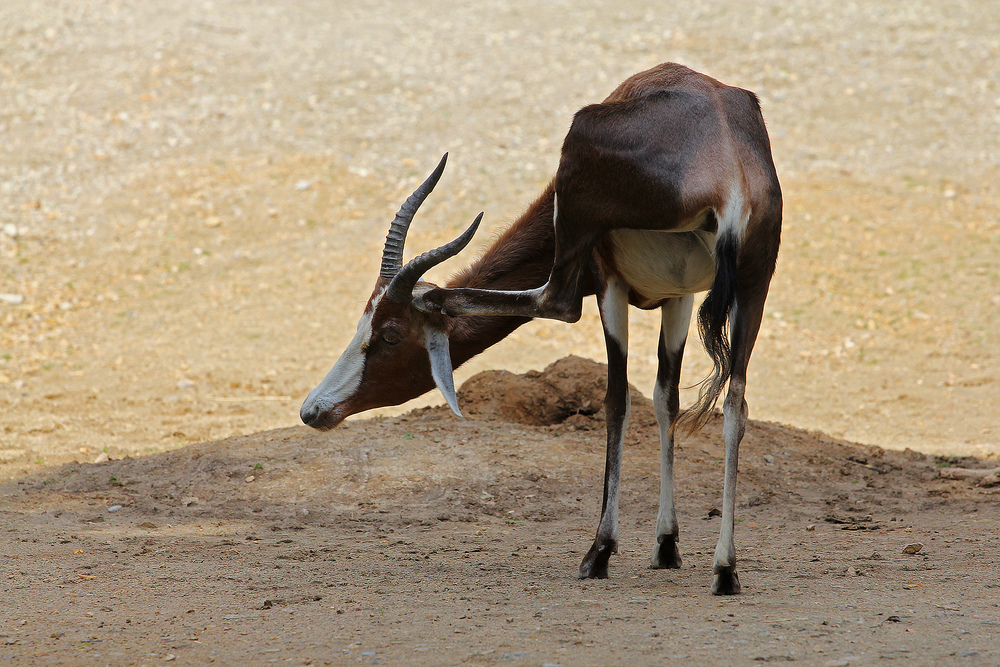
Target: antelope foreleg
[
  {"x": 613, "y": 303},
  {"x": 675, "y": 317}
]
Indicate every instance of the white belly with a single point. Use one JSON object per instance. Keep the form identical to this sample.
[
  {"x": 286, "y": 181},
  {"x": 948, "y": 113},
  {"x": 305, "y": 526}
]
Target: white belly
[{"x": 661, "y": 265}]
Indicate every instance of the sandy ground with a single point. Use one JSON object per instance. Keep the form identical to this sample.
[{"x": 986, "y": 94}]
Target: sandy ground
[
  {"x": 425, "y": 540},
  {"x": 192, "y": 202}
]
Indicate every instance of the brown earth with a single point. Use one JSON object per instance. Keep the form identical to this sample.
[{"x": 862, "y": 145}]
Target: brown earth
[
  {"x": 423, "y": 539},
  {"x": 192, "y": 201}
]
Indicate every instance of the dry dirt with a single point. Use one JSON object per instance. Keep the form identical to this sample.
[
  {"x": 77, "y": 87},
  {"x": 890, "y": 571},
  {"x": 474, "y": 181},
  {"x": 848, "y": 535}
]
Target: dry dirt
[
  {"x": 425, "y": 540},
  {"x": 192, "y": 201}
]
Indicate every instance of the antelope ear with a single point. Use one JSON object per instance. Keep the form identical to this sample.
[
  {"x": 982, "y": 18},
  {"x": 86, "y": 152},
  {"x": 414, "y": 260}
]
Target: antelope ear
[{"x": 439, "y": 351}]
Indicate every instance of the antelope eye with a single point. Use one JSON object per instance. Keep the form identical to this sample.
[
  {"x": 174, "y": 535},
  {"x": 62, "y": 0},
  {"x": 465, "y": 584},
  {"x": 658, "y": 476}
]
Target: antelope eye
[{"x": 390, "y": 337}]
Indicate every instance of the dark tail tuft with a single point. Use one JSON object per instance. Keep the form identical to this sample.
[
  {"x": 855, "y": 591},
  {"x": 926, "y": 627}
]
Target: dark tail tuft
[{"x": 713, "y": 324}]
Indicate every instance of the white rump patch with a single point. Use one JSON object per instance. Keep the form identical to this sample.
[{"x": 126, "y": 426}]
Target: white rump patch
[{"x": 736, "y": 214}]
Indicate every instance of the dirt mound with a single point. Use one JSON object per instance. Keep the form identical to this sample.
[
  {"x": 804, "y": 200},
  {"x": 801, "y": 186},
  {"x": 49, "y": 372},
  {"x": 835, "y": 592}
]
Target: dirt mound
[
  {"x": 566, "y": 388},
  {"x": 387, "y": 535}
]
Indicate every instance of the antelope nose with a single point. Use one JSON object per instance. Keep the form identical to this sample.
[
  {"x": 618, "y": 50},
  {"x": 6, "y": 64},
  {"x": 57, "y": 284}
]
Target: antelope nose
[{"x": 309, "y": 414}]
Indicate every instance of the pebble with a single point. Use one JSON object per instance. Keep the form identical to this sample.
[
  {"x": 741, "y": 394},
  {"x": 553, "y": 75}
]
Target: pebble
[
  {"x": 769, "y": 458},
  {"x": 102, "y": 458},
  {"x": 12, "y": 299},
  {"x": 913, "y": 548},
  {"x": 187, "y": 501},
  {"x": 114, "y": 508}
]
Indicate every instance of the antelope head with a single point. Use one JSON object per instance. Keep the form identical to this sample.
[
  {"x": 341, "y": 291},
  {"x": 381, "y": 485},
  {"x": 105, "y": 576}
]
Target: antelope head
[{"x": 398, "y": 352}]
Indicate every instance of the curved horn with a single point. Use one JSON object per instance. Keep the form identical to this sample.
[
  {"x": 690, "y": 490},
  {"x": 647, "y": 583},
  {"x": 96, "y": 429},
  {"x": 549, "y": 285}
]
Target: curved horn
[
  {"x": 401, "y": 288},
  {"x": 392, "y": 254}
]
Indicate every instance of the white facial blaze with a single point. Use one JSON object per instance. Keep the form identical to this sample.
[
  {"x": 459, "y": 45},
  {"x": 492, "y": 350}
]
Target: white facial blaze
[{"x": 345, "y": 376}]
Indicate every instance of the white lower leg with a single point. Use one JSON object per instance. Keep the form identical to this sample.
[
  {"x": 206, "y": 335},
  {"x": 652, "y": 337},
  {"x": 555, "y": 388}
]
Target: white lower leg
[
  {"x": 735, "y": 416},
  {"x": 675, "y": 317}
]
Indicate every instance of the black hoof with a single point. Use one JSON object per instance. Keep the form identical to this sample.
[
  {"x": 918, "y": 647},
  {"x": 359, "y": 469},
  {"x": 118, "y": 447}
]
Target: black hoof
[
  {"x": 666, "y": 555},
  {"x": 726, "y": 582},
  {"x": 595, "y": 563}
]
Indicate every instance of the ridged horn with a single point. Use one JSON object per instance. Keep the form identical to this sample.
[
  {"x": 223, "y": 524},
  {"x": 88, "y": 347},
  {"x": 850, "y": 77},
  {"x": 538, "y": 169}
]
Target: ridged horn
[
  {"x": 401, "y": 288},
  {"x": 392, "y": 254}
]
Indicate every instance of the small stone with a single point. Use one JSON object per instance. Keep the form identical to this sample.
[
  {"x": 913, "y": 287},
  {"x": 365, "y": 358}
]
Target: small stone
[
  {"x": 913, "y": 548},
  {"x": 187, "y": 501},
  {"x": 114, "y": 508},
  {"x": 102, "y": 458},
  {"x": 715, "y": 511},
  {"x": 769, "y": 458},
  {"x": 213, "y": 221},
  {"x": 12, "y": 299},
  {"x": 303, "y": 185},
  {"x": 10, "y": 230},
  {"x": 250, "y": 478},
  {"x": 184, "y": 383},
  {"x": 811, "y": 527}
]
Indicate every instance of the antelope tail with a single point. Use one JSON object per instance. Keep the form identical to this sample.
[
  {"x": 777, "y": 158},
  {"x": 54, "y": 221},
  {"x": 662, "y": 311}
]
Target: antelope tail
[{"x": 713, "y": 325}]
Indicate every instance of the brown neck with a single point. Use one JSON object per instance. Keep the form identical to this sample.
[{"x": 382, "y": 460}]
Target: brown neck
[{"x": 520, "y": 259}]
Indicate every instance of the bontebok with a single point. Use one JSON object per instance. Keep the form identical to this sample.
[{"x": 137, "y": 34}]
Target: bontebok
[{"x": 665, "y": 189}]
